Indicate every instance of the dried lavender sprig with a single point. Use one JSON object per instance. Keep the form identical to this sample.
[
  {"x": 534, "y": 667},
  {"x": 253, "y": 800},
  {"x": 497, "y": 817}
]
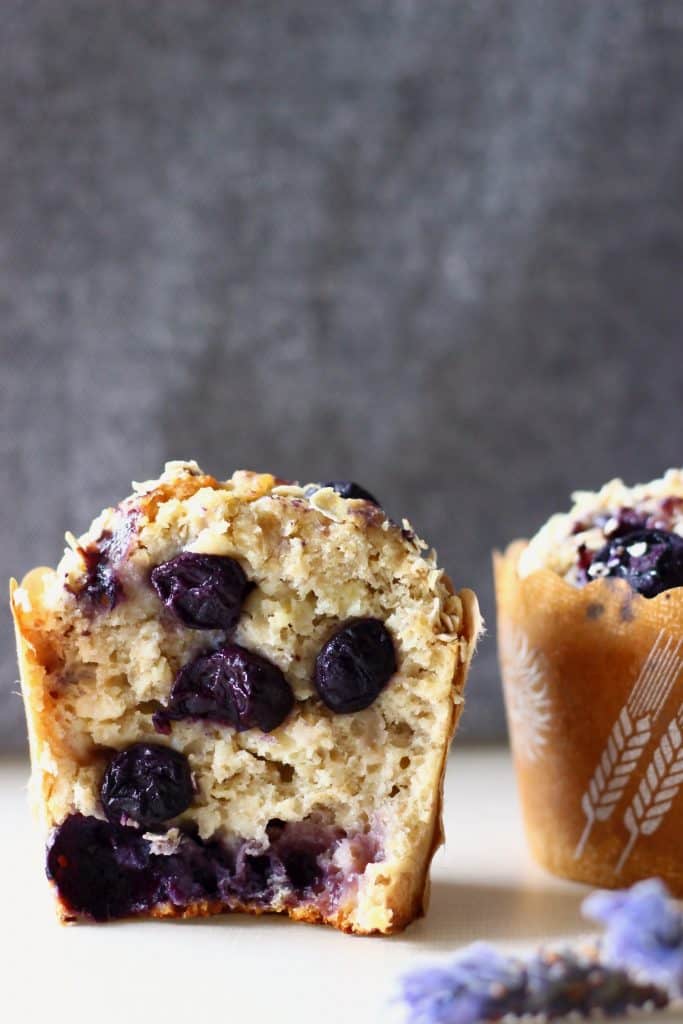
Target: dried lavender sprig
[
  {"x": 643, "y": 932},
  {"x": 479, "y": 984},
  {"x": 483, "y": 985},
  {"x": 560, "y": 983}
]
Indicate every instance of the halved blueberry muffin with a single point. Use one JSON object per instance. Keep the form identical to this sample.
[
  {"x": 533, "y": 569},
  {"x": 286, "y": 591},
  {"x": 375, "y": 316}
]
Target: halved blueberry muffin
[
  {"x": 590, "y": 636},
  {"x": 240, "y": 696}
]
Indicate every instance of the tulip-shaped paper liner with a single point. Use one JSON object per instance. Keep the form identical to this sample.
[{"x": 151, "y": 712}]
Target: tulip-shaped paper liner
[{"x": 593, "y": 681}]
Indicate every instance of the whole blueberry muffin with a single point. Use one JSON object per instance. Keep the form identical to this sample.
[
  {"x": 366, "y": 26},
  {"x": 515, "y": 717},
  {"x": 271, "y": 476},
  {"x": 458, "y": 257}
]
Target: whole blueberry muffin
[
  {"x": 240, "y": 696},
  {"x": 590, "y": 636}
]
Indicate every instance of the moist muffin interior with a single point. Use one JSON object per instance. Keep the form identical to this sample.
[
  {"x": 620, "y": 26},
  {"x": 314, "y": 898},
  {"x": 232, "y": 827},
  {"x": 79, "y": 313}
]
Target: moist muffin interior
[{"x": 361, "y": 787}]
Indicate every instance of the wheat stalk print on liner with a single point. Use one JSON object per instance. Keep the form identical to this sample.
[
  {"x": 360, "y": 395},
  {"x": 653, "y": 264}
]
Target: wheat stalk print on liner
[
  {"x": 529, "y": 708},
  {"x": 630, "y": 734},
  {"x": 657, "y": 790}
]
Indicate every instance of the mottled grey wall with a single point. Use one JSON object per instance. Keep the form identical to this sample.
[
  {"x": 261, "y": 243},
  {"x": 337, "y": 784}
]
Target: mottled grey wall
[{"x": 436, "y": 247}]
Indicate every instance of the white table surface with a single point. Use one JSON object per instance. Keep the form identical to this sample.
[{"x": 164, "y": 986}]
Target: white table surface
[{"x": 240, "y": 968}]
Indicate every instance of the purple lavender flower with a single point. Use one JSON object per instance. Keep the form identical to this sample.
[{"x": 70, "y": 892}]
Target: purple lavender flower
[
  {"x": 638, "y": 963},
  {"x": 480, "y": 984},
  {"x": 567, "y": 982},
  {"x": 644, "y": 932}
]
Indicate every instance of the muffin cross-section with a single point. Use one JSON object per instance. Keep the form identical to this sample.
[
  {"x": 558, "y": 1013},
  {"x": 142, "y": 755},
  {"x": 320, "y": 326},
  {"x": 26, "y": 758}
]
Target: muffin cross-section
[{"x": 240, "y": 696}]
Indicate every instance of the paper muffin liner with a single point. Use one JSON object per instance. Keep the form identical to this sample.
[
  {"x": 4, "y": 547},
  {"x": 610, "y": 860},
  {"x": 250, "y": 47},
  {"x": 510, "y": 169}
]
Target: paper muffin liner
[{"x": 593, "y": 682}]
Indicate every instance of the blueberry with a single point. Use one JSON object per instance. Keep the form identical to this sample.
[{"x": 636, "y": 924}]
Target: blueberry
[
  {"x": 233, "y": 686},
  {"x": 100, "y": 869},
  {"x": 101, "y": 588},
  {"x": 148, "y": 784},
  {"x": 348, "y": 489},
  {"x": 203, "y": 591},
  {"x": 355, "y": 665},
  {"x": 650, "y": 560}
]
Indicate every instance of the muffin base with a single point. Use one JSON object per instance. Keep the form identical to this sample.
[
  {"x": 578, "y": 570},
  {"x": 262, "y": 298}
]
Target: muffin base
[{"x": 404, "y": 894}]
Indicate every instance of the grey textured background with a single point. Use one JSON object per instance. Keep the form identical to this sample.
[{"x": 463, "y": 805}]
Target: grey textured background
[{"x": 436, "y": 247}]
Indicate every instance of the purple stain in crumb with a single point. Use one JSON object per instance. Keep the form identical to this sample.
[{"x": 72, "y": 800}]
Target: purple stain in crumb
[
  {"x": 101, "y": 589},
  {"x": 355, "y": 665},
  {"x": 104, "y": 871},
  {"x": 643, "y": 931},
  {"x": 625, "y": 521},
  {"x": 232, "y": 686},
  {"x": 669, "y": 509},
  {"x": 616, "y": 524},
  {"x": 203, "y": 591},
  {"x": 146, "y": 783}
]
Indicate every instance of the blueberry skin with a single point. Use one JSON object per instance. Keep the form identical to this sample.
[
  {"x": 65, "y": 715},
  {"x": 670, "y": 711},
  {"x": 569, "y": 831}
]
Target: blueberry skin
[
  {"x": 106, "y": 871},
  {"x": 232, "y": 686},
  {"x": 355, "y": 665},
  {"x": 659, "y": 567},
  {"x": 348, "y": 489},
  {"x": 100, "y": 869},
  {"x": 148, "y": 784},
  {"x": 203, "y": 591},
  {"x": 101, "y": 589}
]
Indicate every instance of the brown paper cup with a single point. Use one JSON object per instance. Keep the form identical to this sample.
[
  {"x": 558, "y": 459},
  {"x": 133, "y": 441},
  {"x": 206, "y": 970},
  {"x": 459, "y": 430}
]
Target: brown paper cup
[{"x": 593, "y": 682}]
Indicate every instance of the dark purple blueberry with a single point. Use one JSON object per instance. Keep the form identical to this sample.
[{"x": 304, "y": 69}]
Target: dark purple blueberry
[
  {"x": 348, "y": 489},
  {"x": 148, "y": 784},
  {"x": 203, "y": 591},
  {"x": 233, "y": 686},
  {"x": 355, "y": 665},
  {"x": 101, "y": 588},
  {"x": 100, "y": 869},
  {"x": 650, "y": 560}
]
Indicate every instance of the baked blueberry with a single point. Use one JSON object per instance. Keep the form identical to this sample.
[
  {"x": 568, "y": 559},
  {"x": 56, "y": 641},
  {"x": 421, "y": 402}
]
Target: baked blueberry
[
  {"x": 148, "y": 784},
  {"x": 650, "y": 560},
  {"x": 233, "y": 686},
  {"x": 355, "y": 665},
  {"x": 101, "y": 589},
  {"x": 348, "y": 489},
  {"x": 203, "y": 591},
  {"x": 100, "y": 868}
]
